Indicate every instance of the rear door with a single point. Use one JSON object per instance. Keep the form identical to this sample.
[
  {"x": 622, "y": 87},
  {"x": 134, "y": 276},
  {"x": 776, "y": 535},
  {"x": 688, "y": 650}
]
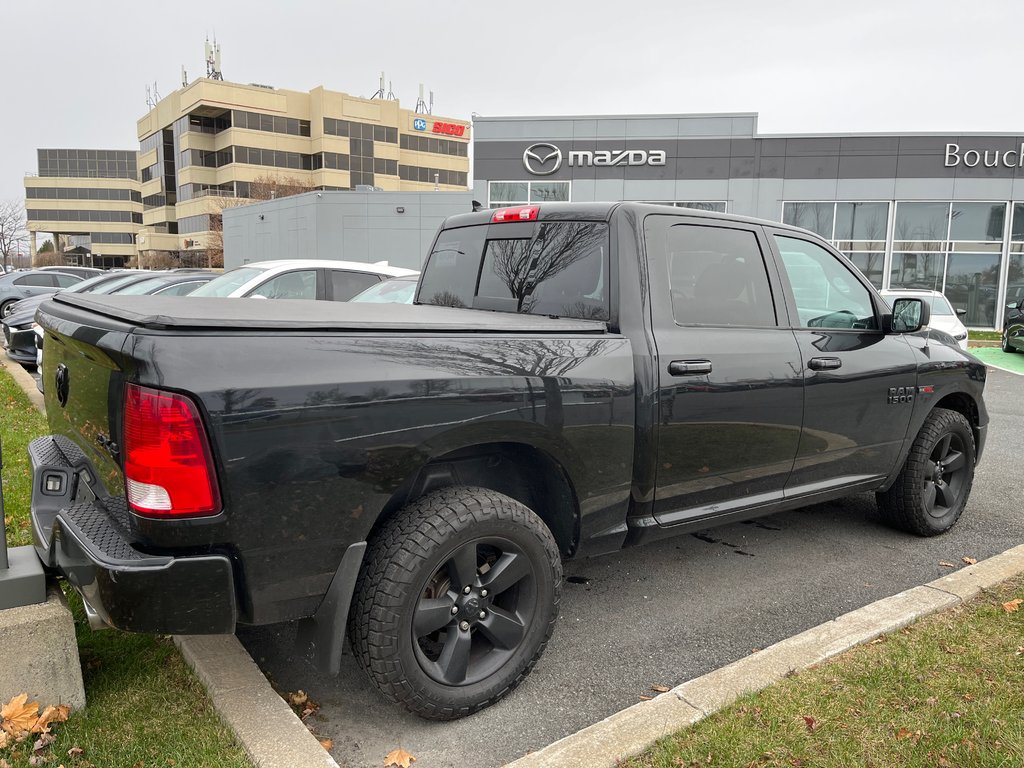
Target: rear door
[
  {"x": 859, "y": 382},
  {"x": 730, "y": 390}
]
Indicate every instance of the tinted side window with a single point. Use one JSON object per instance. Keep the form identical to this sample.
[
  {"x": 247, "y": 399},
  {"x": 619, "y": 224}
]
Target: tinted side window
[
  {"x": 717, "y": 277},
  {"x": 826, "y": 291},
  {"x": 35, "y": 280},
  {"x": 450, "y": 276},
  {"x": 300, "y": 284},
  {"x": 345, "y": 285}
]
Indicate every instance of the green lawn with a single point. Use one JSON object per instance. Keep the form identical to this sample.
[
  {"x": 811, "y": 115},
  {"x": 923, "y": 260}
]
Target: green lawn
[
  {"x": 946, "y": 692},
  {"x": 145, "y": 707}
]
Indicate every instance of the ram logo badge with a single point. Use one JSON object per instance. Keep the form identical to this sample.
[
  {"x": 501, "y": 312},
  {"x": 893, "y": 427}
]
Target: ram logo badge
[{"x": 901, "y": 395}]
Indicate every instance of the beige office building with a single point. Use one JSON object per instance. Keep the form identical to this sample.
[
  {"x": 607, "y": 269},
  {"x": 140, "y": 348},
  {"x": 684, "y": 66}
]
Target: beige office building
[
  {"x": 89, "y": 201},
  {"x": 203, "y": 146}
]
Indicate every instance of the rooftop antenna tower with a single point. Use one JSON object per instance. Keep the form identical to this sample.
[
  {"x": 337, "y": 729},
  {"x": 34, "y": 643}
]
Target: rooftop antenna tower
[
  {"x": 184, "y": 77},
  {"x": 381, "y": 94},
  {"x": 213, "y": 70},
  {"x": 152, "y": 96},
  {"x": 421, "y": 105}
]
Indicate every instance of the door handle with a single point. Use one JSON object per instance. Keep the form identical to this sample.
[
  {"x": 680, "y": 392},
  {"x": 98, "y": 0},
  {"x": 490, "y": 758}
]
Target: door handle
[
  {"x": 824, "y": 363},
  {"x": 689, "y": 367}
]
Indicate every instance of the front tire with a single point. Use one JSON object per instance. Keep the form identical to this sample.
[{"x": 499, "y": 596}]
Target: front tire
[
  {"x": 931, "y": 491},
  {"x": 7, "y": 307},
  {"x": 455, "y": 602},
  {"x": 1005, "y": 345}
]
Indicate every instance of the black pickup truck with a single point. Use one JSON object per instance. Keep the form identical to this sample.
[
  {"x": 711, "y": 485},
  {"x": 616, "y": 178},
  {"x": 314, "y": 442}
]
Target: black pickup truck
[{"x": 573, "y": 379}]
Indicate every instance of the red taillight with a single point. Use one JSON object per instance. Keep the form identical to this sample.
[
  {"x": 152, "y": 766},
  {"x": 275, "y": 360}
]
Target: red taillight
[
  {"x": 168, "y": 466},
  {"x": 519, "y": 213}
]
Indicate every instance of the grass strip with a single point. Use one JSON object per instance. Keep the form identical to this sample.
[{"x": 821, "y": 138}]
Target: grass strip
[
  {"x": 1010, "y": 361},
  {"x": 946, "y": 691},
  {"x": 145, "y": 707}
]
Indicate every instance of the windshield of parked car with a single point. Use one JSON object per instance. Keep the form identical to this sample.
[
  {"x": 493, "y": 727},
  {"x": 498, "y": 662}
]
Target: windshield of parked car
[
  {"x": 388, "y": 292},
  {"x": 88, "y": 285},
  {"x": 141, "y": 287},
  {"x": 229, "y": 282},
  {"x": 113, "y": 285}
]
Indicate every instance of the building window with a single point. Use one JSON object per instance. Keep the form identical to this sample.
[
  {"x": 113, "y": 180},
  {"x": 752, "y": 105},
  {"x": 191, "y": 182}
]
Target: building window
[
  {"x": 858, "y": 229},
  {"x": 189, "y": 224},
  {"x": 385, "y": 133},
  {"x": 35, "y": 214},
  {"x": 255, "y": 121},
  {"x": 417, "y": 143},
  {"x": 86, "y": 193},
  {"x": 504, "y": 193}
]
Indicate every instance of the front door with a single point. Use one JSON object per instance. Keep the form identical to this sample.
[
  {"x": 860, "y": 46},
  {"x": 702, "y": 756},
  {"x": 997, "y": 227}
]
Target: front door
[
  {"x": 730, "y": 394},
  {"x": 859, "y": 383}
]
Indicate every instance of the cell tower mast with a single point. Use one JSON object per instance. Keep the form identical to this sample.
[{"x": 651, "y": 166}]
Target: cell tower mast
[{"x": 213, "y": 70}]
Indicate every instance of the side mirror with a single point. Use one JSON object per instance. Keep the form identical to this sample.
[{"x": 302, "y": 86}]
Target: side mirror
[
  {"x": 961, "y": 312},
  {"x": 909, "y": 315}
]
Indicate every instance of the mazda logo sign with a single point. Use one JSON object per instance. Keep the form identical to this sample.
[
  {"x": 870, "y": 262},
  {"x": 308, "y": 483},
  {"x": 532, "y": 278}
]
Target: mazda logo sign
[
  {"x": 62, "y": 383},
  {"x": 542, "y": 159}
]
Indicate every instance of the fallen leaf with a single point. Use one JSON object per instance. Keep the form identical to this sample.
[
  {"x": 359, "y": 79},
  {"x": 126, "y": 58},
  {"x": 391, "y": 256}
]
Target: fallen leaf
[
  {"x": 36, "y": 760},
  {"x": 904, "y": 733},
  {"x": 18, "y": 716},
  {"x": 969, "y": 560},
  {"x": 50, "y": 715},
  {"x": 810, "y": 722},
  {"x": 44, "y": 740},
  {"x": 398, "y": 758},
  {"x": 1013, "y": 606},
  {"x": 660, "y": 688},
  {"x": 75, "y": 751},
  {"x": 704, "y": 470},
  {"x": 944, "y": 564},
  {"x": 298, "y": 698},
  {"x": 327, "y": 744},
  {"x": 1020, "y": 651},
  {"x": 4, "y": 737},
  {"x": 4, "y": 763},
  {"x": 645, "y": 698}
]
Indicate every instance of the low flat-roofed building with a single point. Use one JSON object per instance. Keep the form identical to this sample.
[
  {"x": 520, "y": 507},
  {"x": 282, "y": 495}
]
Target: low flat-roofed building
[{"x": 90, "y": 199}]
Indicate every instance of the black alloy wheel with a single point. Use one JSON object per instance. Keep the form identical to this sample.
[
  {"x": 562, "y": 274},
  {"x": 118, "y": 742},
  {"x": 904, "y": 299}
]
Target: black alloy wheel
[
  {"x": 1006, "y": 346},
  {"x": 473, "y": 612},
  {"x": 945, "y": 479}
]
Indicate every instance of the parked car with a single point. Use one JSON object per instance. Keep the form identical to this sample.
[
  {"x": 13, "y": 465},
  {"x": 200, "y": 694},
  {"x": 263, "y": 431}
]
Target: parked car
[
  {"x": 943, "y": 316},
  {"x": 397, "y": 290},
  {"x": 1013, "y": 323},
  {"x": 82, "y": 272},
  {"x": 571, "y": 379},
  {"x": 321, "y": 279},
  {"x": 173, "y": 283},
  {"x": 16, "y": 286}
]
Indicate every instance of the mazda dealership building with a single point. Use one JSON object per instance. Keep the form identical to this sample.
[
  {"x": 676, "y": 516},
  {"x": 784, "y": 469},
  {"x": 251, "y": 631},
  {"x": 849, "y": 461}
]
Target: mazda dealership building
[{"x": 936, "y": 211}]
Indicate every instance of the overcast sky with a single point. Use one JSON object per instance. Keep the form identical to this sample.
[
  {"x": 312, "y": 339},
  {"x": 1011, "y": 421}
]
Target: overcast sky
[{"x": 75, "y": 73}]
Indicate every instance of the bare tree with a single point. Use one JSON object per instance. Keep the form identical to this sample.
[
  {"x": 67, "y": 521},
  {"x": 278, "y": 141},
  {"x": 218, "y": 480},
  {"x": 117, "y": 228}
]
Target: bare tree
[
  {"x": 261, "y": 188},
  {"x": 12, "y": 228}
]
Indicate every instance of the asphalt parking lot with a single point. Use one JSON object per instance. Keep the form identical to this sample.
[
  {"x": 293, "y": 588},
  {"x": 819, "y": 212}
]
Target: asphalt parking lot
[{"x": 662, "y": 614}]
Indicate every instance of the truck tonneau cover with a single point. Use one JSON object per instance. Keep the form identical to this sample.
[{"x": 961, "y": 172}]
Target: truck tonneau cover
[{"x": 201, "y": 313}]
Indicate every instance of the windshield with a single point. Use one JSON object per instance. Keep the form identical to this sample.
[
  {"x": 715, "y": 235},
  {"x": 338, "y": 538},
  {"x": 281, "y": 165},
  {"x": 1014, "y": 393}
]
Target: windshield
[
  {"x": 389, "y": 292},
  {"x": 86, "y": 286},
  {"x": 141, "y": 287},
  {"x": 228, "y": 283},
  {"x": 113, "y": 285}
]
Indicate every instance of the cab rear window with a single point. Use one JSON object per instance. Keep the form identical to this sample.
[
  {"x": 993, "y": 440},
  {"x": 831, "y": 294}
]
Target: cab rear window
[{"x": 555, "y": 268}]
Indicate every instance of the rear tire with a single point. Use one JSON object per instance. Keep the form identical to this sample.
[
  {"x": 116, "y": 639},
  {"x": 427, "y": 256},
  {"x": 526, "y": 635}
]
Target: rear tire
[
  {"x": 1005, "y": 345},
  {"x": 6, "y": 307},
  {"x": 455, "y": 602},
  {"x": 931, "y": 490}
]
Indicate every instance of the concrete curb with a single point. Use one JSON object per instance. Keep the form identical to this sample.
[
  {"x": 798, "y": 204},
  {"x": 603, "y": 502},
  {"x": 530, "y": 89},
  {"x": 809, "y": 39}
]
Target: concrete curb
[
  {"x": 629, "y": 732},
  {"x": 266, "y": 727}
]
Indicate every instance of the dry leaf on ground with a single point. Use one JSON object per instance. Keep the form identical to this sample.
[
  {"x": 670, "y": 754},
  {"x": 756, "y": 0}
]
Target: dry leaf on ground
[
  {"x": 51, "y": 714},
  {"x": 904, "y": 733},
  {"x": 660, "y": 688},
  {"x": 944, "y": 564},
  {"x": 969, "y": 560},
  {"x": 1013, "y": 606},
  {"x": 327, "y": 744},
  {"x": 398, "y": 758},
  {"x": 811, "y": 723},
  {"x": 75, "y": 751},
  {"x": 18, "y": 716},
  {"x": 298, "y": 698}
]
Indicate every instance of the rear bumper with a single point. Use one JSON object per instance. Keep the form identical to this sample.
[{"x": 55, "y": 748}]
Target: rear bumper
[
  {"x": 21, "y": 344},
  {"x": 86, "y": 542}
]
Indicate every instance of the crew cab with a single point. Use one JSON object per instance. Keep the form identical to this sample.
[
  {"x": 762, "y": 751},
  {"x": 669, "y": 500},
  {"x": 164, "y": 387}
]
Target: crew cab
[{"x": 571, "y": 379}]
